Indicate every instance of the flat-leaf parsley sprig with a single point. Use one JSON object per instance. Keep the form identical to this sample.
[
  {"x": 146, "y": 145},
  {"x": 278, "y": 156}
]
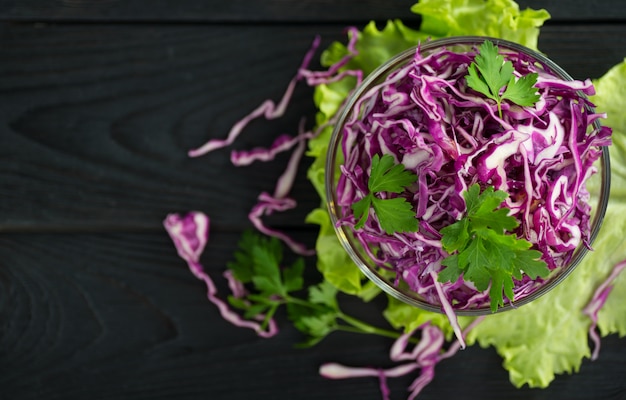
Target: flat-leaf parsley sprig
[
  {"x": 490, "y": 75},
  {"x": 314, "y": 310},
  {"x": 394, "y": 214},
  {"x": 482, "y": 251}
]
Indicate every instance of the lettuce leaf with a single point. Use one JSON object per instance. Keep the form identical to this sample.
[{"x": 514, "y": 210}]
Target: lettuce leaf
[
  {"x": 496, "y": 18},
  {"x": 407, "y": 317},
  {"x": 333, "y": 262},
  {"x": 546, "y": 337},
  {"x": 609, "y": 98},
  {"x": 376, "y": 46}
]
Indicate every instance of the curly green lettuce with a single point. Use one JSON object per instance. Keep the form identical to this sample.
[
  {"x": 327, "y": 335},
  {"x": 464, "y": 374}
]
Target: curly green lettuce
[{"x": 496, "y": 18}]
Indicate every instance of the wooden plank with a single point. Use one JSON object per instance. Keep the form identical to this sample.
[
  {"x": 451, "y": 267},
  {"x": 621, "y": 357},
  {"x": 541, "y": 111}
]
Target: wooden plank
[
  {"x": 120, "y": 316},
  {"x": 97, "y": 119},
  {"x": 206, "y": 11},
  {"x": 584, "y": 51},
  {"x": 270, "y": 10}
]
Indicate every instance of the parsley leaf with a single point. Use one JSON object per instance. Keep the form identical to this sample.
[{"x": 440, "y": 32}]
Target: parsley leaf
[
  {"x": 481, "y": 250},
  {"x": 319, "y": 316},
  {"x": 387, "y": 176},
  {"x": 394, "y": 214},
  {"x": 258, "y": 262},
  {"x": 270, "y": 285},
  {"x": 254, "y": 250},
  {"x": 489, "y": 74}
]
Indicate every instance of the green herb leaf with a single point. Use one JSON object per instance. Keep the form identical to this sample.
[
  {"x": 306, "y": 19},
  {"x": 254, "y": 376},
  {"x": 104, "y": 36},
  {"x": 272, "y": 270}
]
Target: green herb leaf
[
  {"x": 394, "y": 214},
  {"x": 267, "y": 275},
  {"x": 527, "y": 262},
  {"x": 452, "y": 273},
  {"x": 522, "y": 91},
  {"x": 258, "y": 263},
  {"x": 318, "y": 316},
  {"x": 482, "y": 251},
  {"x": 361, "y": 210},
  {"x": 456, "y": 235},
  {"x": 324, "y": 293},
  {"x": 255, "y": 251},
  {"x": 489, "y": 74},
  {"x": 500, "y": 281},
  {"x": 386, "y": 176},
  {"x": 271, "y": 286},
  {"x": 318, "y": 325},
  {"x": 292, "y": 276},
  {"x": 474, "y": 262}
]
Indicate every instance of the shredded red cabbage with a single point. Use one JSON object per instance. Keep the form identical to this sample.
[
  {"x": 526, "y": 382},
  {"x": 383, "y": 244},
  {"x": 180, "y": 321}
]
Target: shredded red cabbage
[
  {"x": 190, "y": 234},
  {"x": 280, "y": 201},
  {"x": 424, "y": 356},
  {"x": 597, "y": 302},
  {"x": 451, "y": 137}
]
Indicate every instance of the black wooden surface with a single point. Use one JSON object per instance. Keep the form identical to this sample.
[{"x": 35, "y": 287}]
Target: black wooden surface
[{"x": 99, "y": 103}]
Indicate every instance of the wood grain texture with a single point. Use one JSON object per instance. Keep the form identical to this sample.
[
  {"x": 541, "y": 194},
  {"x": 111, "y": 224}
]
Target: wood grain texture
[
  {"x": 97, "y": 118},
  {"x": 98, "y": 121},
  {"x": 238, "y": 11},
  {"x": 118, "y": 316}
]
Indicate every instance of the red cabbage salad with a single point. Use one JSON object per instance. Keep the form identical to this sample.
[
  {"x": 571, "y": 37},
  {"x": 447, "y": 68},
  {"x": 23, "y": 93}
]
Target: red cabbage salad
[
  {"x": 539, "y": 154},
  {"x": 426, "y": 117}
]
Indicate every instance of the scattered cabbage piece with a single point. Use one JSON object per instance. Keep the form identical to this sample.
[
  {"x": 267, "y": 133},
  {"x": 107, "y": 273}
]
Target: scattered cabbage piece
[
  {"x": 190, "y": 234},
  {"x": 424, "y": 356}
]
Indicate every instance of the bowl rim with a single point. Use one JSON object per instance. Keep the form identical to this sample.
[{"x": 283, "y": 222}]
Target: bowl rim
[{"x": 334, "y": 146}]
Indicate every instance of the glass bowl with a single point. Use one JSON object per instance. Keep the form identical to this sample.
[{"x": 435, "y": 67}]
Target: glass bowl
[{"x": 364, "y": 254}]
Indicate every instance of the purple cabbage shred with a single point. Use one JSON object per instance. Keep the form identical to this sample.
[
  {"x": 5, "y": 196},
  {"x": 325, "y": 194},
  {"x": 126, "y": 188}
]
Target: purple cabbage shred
[
  {"x": 190, "y": 234},
  {"x": 597, "y": 302}
]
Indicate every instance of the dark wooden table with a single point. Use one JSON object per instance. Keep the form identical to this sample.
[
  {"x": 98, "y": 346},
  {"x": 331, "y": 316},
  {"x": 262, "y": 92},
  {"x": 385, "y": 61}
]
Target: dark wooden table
[{"x": 99, "y": 103}]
